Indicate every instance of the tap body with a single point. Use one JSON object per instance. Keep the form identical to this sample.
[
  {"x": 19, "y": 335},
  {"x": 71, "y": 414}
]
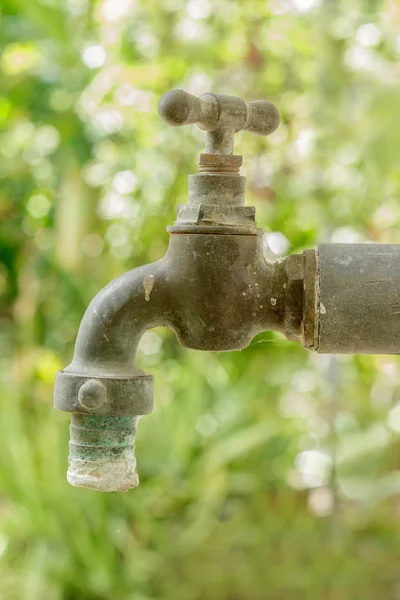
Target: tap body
[{"x": 216, "y": 291}]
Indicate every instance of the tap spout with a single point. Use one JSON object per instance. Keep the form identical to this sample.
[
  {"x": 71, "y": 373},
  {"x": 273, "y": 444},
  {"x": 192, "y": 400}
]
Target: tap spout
[{"x": 103, "y": 387}]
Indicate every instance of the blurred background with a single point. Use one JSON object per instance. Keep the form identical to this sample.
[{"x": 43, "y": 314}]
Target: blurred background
[{"x": 270, "y": 473}]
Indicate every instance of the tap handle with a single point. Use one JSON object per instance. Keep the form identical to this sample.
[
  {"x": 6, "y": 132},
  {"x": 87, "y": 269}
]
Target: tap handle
[{"x": 217, "y": 112}]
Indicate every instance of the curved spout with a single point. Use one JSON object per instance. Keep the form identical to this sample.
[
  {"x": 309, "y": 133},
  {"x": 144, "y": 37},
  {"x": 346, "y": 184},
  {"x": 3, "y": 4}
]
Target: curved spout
[
  {"x": 116, "y": 319},
  {"x": 107, "y": 341},
  {"x": 103, "y": 388}
]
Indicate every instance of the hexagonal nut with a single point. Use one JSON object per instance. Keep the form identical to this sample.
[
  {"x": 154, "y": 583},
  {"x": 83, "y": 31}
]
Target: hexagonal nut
[{"x": 214, "y": 214}]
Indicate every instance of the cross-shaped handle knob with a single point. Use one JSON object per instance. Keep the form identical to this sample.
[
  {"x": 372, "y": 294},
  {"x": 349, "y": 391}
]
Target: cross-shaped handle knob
[{"x": 219, "y": 115}]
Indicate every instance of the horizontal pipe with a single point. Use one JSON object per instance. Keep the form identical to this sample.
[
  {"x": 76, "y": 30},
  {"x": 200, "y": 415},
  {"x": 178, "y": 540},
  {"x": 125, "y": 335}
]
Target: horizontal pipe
[{"x": 357, "y": 299}]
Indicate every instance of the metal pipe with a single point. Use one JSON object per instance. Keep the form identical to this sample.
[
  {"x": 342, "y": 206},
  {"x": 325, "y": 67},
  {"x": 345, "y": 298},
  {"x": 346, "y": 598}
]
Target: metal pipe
[{"x": 356, "y": 299}]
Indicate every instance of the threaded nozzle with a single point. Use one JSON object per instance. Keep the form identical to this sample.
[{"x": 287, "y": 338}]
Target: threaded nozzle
[{"x": 102, "y": 452}]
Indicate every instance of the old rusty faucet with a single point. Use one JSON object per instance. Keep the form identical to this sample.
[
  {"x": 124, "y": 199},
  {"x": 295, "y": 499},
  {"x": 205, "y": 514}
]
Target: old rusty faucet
[{"x": 216, "y": 290}]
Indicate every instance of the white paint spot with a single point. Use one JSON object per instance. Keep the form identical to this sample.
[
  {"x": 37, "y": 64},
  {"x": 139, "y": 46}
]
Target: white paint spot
[
  {"x": 273, "y": 301},
  {"x": 343, "y": 261},
  {"x": 148, "y": 284},
  {"x": 322, "y": 309}
]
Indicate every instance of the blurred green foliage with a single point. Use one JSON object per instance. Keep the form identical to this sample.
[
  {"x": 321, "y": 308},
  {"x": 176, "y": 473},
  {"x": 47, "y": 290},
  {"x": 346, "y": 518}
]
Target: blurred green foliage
[{"x": 270, "y": 473}]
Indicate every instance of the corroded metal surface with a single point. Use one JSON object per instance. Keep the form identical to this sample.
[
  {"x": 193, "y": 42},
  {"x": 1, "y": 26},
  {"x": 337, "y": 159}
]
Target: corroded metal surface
[
  {"x": 220, "y": 163},
  {"x": 358, "y": 307},
  {"x": 101, "y": 453},
  {"x": 123, "y": 395},
  {"x": 217, "y": 189}
]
